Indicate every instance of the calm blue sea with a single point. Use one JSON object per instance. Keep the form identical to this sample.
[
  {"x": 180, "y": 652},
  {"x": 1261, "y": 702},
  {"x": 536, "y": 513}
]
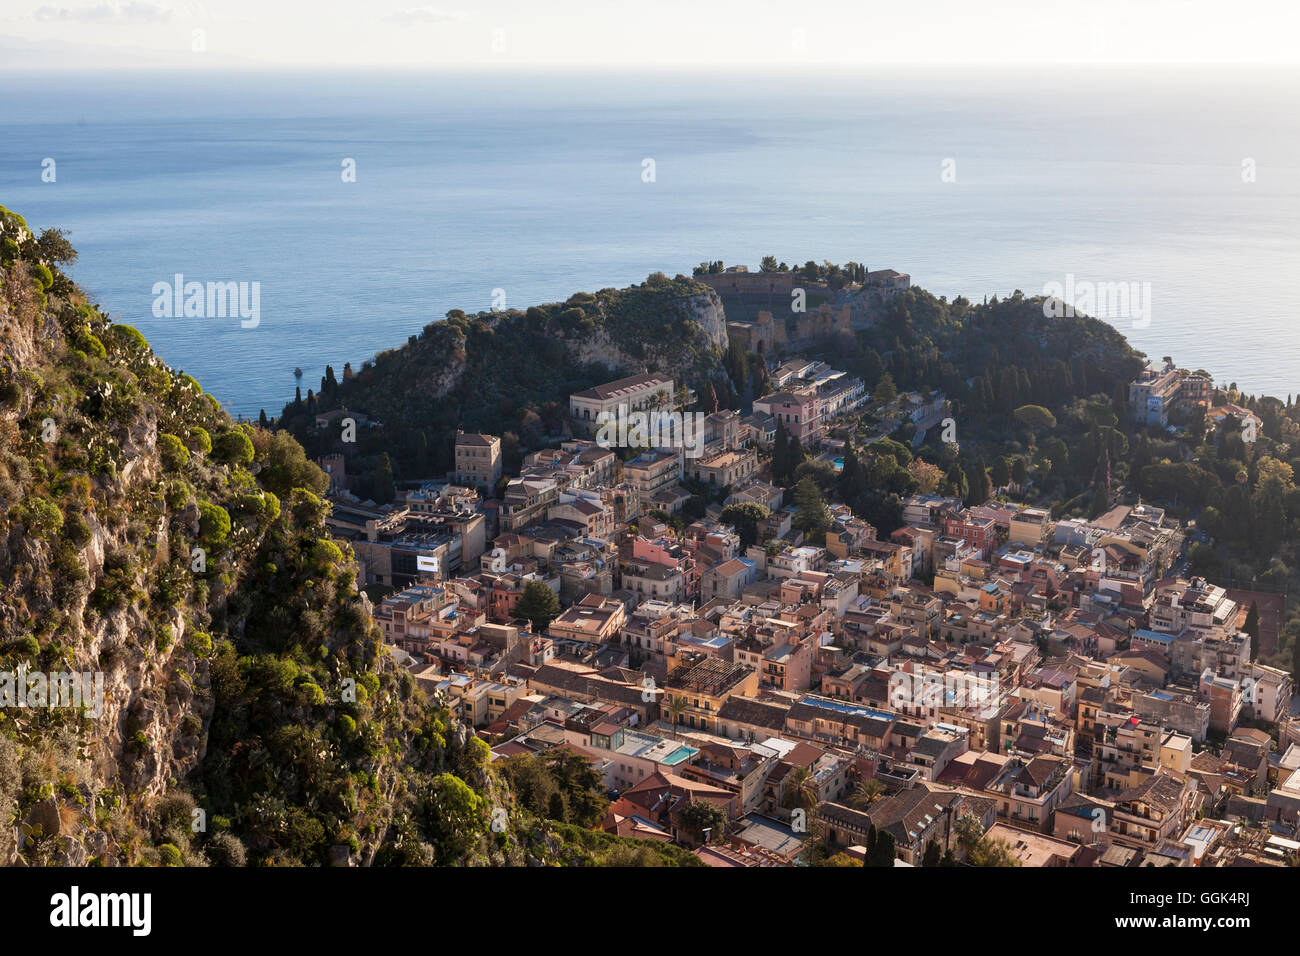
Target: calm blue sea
[{"x": 533, "y": 184}]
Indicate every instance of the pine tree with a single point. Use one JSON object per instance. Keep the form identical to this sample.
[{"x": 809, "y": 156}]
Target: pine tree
[
  {"x": 853, "y": 477},
  {"x": 812, "y": 517},
  {"x": 797, "y": 456},
  {"x": 880, "y": 848},
  {"x": 955, "y": 484},
  {"x": 538, "y": 605},
  {"x": 781, "y": 455},
  {"x": 886, "y": 391}
]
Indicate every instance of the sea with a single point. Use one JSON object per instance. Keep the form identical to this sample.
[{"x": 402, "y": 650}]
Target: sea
[{"x": 366, "y": 205}]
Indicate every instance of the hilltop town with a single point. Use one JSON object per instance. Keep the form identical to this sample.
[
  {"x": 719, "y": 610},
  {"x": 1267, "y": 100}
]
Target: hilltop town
[{"x": 754, "y": 671}]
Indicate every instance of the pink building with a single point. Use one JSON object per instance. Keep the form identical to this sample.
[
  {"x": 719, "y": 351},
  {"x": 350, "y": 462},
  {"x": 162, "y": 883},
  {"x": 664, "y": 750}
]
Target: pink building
[{"x": 799, "y": 409}]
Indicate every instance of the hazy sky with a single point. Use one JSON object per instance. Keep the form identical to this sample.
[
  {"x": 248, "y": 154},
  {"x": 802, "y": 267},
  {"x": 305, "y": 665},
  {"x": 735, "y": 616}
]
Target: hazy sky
[{"x": 640, "y": 33}]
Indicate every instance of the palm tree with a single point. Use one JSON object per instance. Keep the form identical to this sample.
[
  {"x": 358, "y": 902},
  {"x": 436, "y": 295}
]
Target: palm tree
[
  {"x": 866, "y": 793},
  {"x": 801, "y": 790},
  {"x": 677, "y": 706}
]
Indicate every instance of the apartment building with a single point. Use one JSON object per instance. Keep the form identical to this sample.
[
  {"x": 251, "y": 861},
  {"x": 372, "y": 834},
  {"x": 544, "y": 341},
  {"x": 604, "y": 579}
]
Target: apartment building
[
  {"x": 696, "y": 689},
  {"x": 477, "y": 460}
]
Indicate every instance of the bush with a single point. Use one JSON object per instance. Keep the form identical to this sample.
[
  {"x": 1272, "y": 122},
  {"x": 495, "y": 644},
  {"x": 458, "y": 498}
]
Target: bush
[
  {"x": 77, "y": 530},
  {"x": 26, "y": 646},
  {"x": 41, "y": 516},
  {"x": 197, "y": 439},
  {"x": 169, "y": 855},
  {"x": 85, "y": 340},
  {"x": 234, "y": 448},
  {"x": 199, "y": 643},
  {"x": 214, "y": 524},
  {"x": 173, "y": 452},
  {"x": 326, "y": 554},
  {"x": 127, "y": 338},
  {"x": 178, "y": 494},
  {"x": 43, "y": 276},
  {"x": 224, "y": 849}
]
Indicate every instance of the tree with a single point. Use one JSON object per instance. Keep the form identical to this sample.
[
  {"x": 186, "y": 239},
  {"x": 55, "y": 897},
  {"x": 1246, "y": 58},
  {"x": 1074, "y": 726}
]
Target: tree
[
  {"x": 285, "y": 465},
  {"x": 781, "y": 467},
  {"x": 933, "y": 855},
  {"x": 981, "y": 489},
  {"x": 812, "y": 517},
  {"x": 1100, "y": 502},
  {"x": 980, "y": 850},
  {"x": 745, "y": 517},
  {"x": 1000, "y": 473},
  {"x": 700, "y": 816},
  {"x": 383, "y": 488},
  {"x": 1251, "y": 627},
  {"x": 853, "y": 477},
  {"x": 820, "y": 471},
  {"x": 1036, "y": 418},
  {"x": 768, "y": 264},
  {"x": 801, "y": 790},
  {"x": 797, "y": 457},
  {"x": 55, "y": 247},
  {"x": 677, "y": 706},
  {"x": 866, "y": 793},
  {"x": 555, "y": 807},
  {"x": 454, "y": 817},
  {"x": 954, "y": 482},
  {"x": 1019, "y": 472},
  {"x": 880, "y": 848},
  {"x": 928, "y": 477},
  {"x": 538, "y": 605},
  {"x": 886, "y": 390}
]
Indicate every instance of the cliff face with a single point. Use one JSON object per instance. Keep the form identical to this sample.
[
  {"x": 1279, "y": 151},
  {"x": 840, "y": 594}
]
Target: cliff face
[{"x": 687, "y": 334}]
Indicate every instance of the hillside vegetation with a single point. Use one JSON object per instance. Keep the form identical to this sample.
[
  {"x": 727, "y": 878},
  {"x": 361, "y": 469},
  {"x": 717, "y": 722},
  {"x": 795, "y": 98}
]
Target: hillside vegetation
[{"x": 508, "y": 372}]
